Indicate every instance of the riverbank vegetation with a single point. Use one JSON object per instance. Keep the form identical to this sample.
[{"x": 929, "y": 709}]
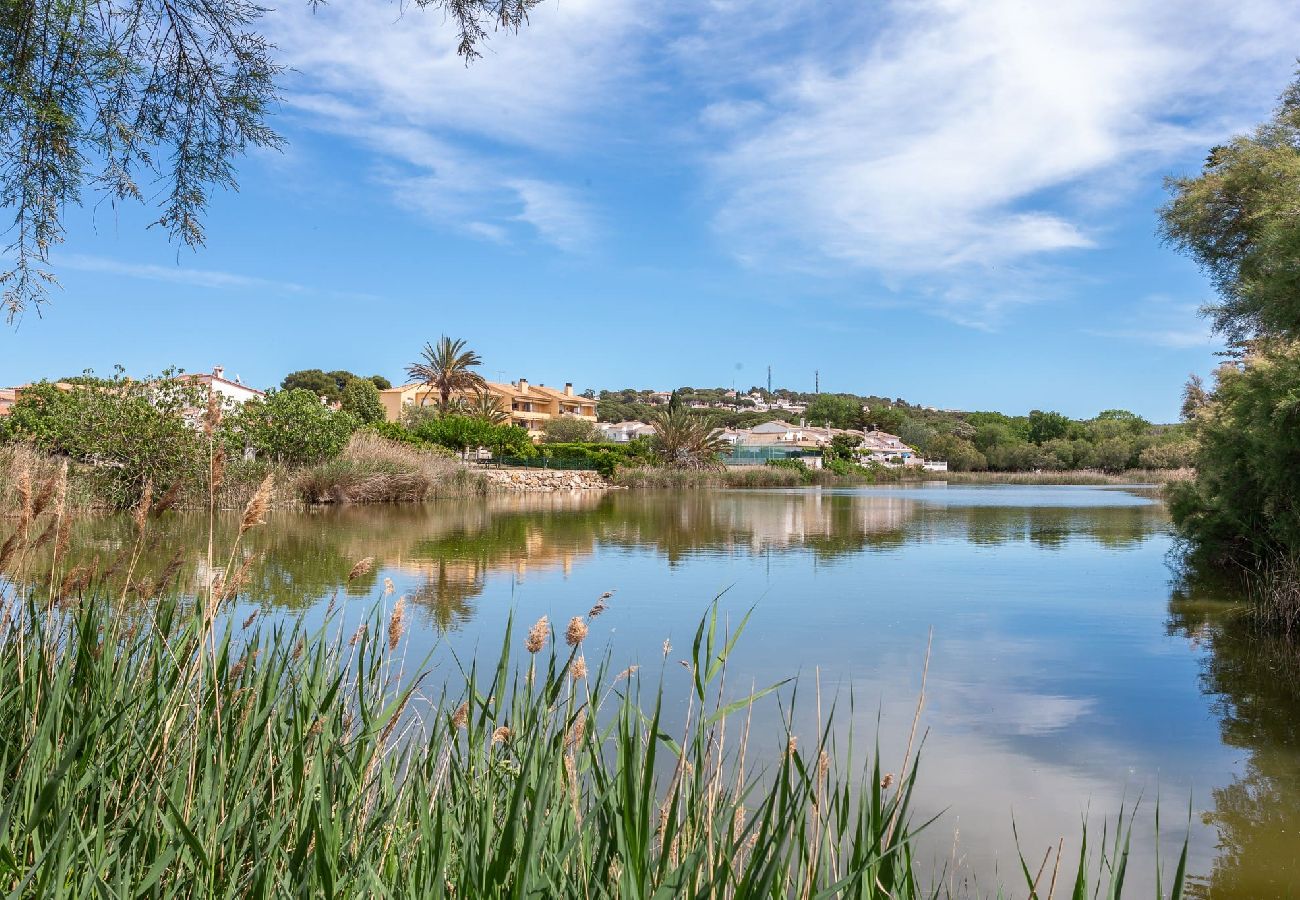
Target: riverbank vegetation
[
  {"x": 178, "y": 742},
  {"x": 121, "y": 437},
  {"x": 1236, "y": 219}
]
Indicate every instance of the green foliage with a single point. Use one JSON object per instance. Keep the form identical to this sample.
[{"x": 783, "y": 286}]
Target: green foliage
[
  {"x": 844, "y": 446},
  {"x": 361, "y": 401},
  {"x": 128, "y": 432},
  {"x": 885, "y": 418},
  {"x": 685, "y": 439},
  {"x": 1237, "y": 220},
  {"x": 292, "y": 428},
  {"x": 1243, "y": 505},
  {"x": 280, "y": 763},
  {"x": 836, "y": 410},
  {"x": 1047, "y": 426},
  {"x": 467, "y": 433},
  {"x": 604, "y": 457},
  {"x": 569, "y": 430},
  {"x": 330, "y": 385}
]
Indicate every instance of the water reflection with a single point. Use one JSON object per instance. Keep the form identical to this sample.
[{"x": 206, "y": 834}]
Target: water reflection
[
  {"x": 1255, "y": 683},
  {"x": 1063, "y": 676},
  {"x": 455, "y": 546}
]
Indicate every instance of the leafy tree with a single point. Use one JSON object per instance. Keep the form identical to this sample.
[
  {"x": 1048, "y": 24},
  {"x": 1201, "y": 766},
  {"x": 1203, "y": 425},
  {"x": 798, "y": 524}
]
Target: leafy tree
[
  {"x": 569, "y": 430},
  {"x": 329, "y": 385},
  {"x": 134, "y": 99},
  {"x": 1237, "y": 220},
  {"x": 293, "y": 427},
  {"x": 887, "y": 418},
  {"x": 447, "y": 368},
  {"x": 1047, "y": 426},
  {"x": 843, "y": 446},
  {"x": 467, "y": 433},
  {"x": 836, "y": 410},
  {"x": 361, "y": 400},
  {"x": 127, "y": 431}
]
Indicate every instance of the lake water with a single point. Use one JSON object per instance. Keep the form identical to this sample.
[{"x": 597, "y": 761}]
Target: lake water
[{"x": 1068, "y": 673}]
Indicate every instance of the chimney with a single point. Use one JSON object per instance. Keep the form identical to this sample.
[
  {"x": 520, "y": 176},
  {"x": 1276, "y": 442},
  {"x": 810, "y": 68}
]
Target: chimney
[
  {"x": 568, "y": 388},
  {"x": 218, "y": 371},
  {"x": 523, "y": 385}
]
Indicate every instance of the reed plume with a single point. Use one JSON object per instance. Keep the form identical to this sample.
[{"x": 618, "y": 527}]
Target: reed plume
[
  {"x": 536, "y": 639},
  {"x": 397, "y": 624},
  {"x": 576, "y": 633},
  {"x": 255, "y": 510},
  {"x": 362, "y": 567}
]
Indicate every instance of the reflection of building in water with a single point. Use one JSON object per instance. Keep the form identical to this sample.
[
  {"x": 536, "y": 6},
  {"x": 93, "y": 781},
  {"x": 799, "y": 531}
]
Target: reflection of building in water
[{"x": 794, "y": 519}]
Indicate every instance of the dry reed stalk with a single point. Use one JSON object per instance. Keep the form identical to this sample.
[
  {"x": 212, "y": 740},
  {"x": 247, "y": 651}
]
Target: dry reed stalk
[
  {"x": 388, "y": 587},
  {"x": 255, "y": 509},
  {"x": 362, "y": 567},
  {"x": 24, "y": 497},
  {"x": 397, "y": 624},
  {"x": 8, "y": 549},
  {"x": 501, "y": 734},
  {"x": 911, "y": 738},
  {"x": 249, "y": 620},
  {"x": 168, "y": 500},
  {"x": 43, "y": 497},
  {"x": 460, "y": 716},
  {"x": 357, "y": 635}
]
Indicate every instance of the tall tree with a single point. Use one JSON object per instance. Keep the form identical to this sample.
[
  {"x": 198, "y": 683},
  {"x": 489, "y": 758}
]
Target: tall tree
[
  {"x": 128, "y": 98},
  {"x": 446, "y": 368},
  {"x": 1238, "y": 220}
]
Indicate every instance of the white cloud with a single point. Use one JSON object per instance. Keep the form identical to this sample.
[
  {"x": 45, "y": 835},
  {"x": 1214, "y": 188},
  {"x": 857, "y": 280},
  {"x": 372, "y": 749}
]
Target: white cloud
[
  {"x": 202, "y": 278},
  {"x": 937, "y": 149},
  {"x": 469, "y": 147}
]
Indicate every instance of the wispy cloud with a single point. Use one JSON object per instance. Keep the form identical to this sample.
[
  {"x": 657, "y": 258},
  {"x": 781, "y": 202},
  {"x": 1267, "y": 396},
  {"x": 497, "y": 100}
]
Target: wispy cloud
[
  {"x": 1163, "y": 321},
  {"x": 942, "y": 148},
  {"x": 201, "y": 278},
  {"x": 469, "y": 148}
]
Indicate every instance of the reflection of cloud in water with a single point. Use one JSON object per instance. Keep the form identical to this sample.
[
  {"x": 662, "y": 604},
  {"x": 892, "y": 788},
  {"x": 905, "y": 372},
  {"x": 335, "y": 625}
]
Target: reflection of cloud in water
[{"x": 1009, "y": 711}]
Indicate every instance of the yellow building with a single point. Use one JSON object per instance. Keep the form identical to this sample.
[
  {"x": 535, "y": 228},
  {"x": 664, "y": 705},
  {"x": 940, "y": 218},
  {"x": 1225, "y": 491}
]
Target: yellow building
[{"x": 528, "y": 405}]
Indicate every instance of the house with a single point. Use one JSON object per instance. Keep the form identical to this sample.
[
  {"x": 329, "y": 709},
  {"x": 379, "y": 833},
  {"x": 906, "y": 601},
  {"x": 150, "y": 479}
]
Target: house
[
  {"x": 230, "y": 391},
  {"x": 784, "y": 434},
  {"x": 623, "y": 432},
  {"x": 528, "y": 406},
  {"x": 8, "y": 396},
  {"x": 881, "y": 447}
]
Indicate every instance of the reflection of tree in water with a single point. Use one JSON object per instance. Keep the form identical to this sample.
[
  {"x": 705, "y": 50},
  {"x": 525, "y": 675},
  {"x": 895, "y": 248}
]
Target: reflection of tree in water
[
  {"x": 1255, "y": 680},
  {"x": 447, "y": 590},
  {"x": 456, "y": 545}
]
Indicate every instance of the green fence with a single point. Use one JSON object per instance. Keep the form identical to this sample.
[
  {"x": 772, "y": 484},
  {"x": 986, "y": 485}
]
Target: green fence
[{"x": 761, "y": 456}]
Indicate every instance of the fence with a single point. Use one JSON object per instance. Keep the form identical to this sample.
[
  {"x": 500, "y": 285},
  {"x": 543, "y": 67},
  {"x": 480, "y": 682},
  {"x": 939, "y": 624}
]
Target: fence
[{"x": 761, "y": 456}]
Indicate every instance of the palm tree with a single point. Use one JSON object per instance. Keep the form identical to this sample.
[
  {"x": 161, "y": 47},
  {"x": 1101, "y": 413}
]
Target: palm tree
[
  {"x": 446, "y": 368},
  {"x": 485, "y": 406},
  {"x": 686, "y": 439}
]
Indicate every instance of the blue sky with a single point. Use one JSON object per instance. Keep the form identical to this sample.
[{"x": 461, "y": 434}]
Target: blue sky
[{"x": 950, "y": 201}]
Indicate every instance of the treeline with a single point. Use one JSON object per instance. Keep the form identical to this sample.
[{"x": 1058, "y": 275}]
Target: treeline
[
  {"x": 1237, "y": 219},
  {"x": 1113, "y": 440}
]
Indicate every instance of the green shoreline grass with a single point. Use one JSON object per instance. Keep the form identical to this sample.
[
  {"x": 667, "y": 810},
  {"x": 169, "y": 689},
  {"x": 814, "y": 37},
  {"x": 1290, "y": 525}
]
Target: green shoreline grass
[{"x": 161, "y": 748}]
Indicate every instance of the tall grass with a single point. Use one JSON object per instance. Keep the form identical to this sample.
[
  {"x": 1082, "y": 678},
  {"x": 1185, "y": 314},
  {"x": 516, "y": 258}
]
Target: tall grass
[
  {"x": 374, "y": 469},
  {"x": 141, "y": 755},
  {"x": 1076, "y": 477},
  {"x": 165, "y": 748}
]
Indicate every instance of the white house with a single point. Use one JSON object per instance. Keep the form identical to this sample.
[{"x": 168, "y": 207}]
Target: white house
[
  {"x": 231, "y": 392},
  {"x": 623, "y": 432}
]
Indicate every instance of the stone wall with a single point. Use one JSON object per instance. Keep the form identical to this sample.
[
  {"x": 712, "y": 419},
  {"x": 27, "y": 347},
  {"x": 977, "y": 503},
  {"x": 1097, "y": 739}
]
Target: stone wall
[{"x": 539, "y": 480}]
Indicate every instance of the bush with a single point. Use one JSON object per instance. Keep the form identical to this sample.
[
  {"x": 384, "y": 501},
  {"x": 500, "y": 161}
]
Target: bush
[
  {"x": 374, "y": 469},
  {"x": 466, "y": 433},
  {"x": 292, "y": 428},
  {"x": 128, "y": 432},
  {"x": 569, "y": 430}
]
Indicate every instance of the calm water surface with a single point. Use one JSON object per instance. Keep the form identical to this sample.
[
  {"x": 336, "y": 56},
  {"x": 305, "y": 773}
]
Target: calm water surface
[{"x": 1068, "y": 674}]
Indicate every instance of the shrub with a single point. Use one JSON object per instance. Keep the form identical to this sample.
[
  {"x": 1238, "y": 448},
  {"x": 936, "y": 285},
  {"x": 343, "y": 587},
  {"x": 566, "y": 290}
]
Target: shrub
[
  {"x": 569, "y": 430},
  {"x": 128, "y": 432},
  {"x": 292, "y": 428},
  {"x": 374, "y": 469},
  {"x": 361, "y": 401}
]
